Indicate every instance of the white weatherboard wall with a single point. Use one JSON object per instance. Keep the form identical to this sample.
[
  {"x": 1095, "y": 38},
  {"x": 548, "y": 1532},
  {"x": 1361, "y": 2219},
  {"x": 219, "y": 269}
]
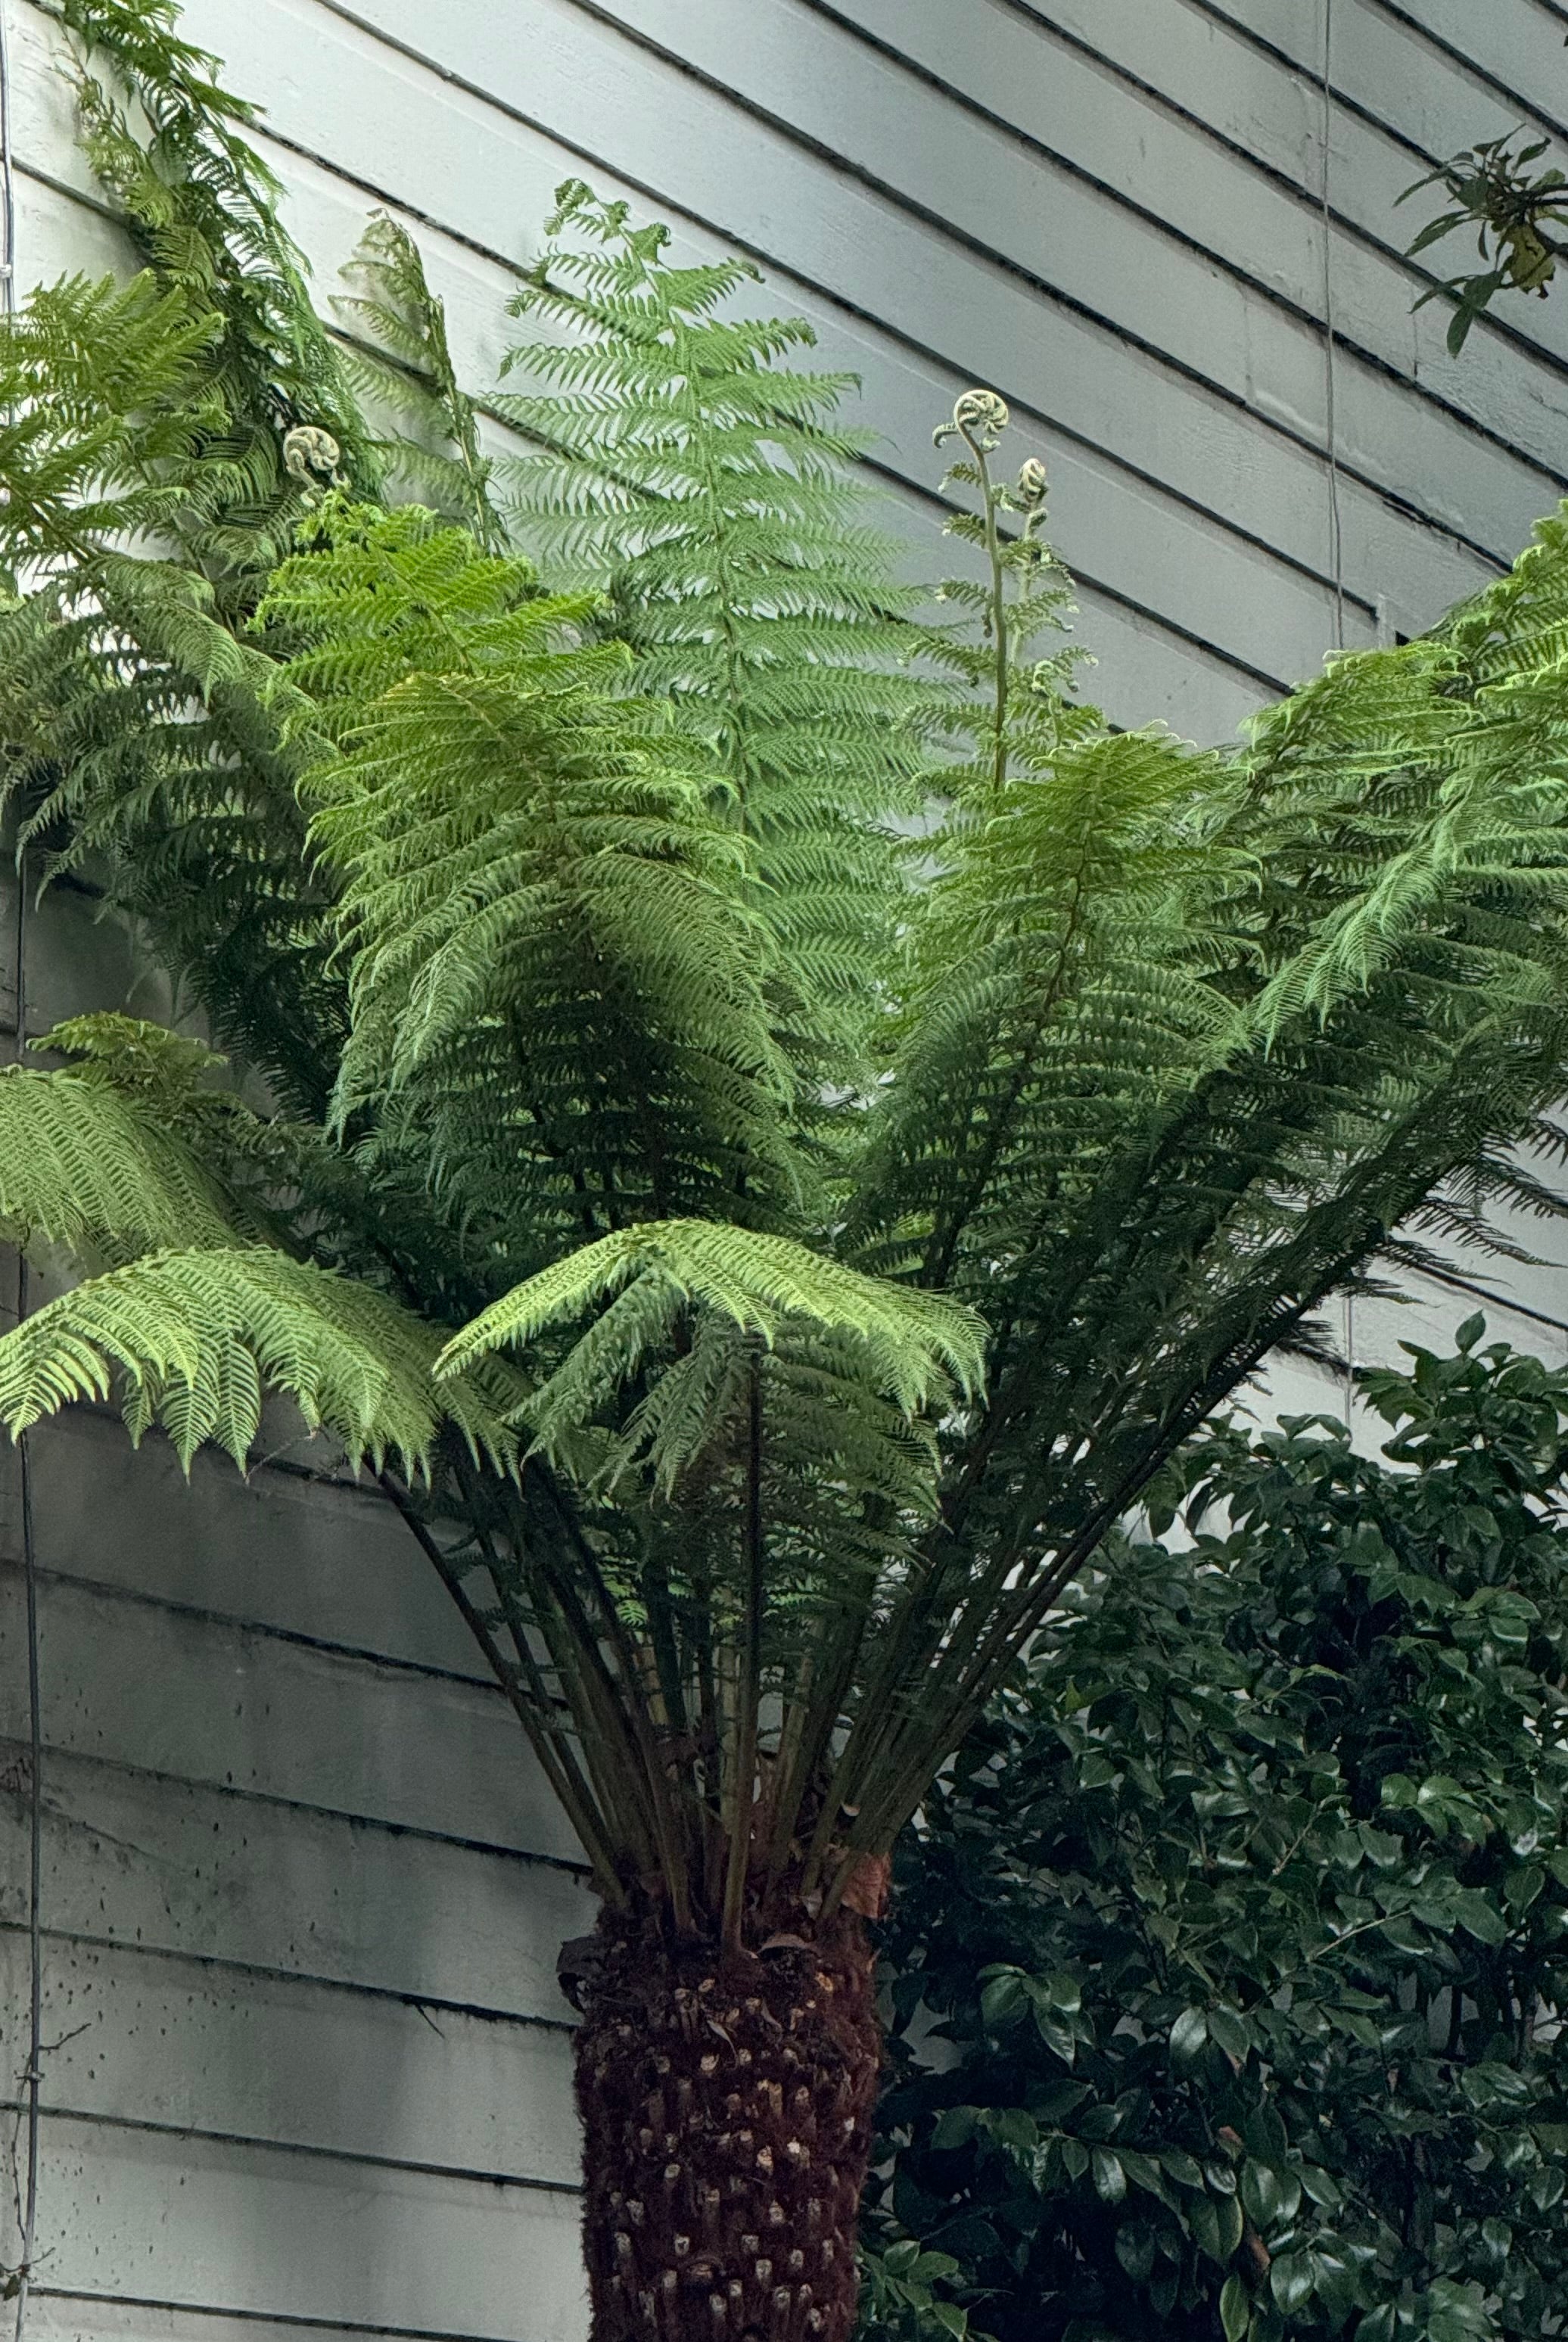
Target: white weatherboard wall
[{"x": 301, "y": 1888}]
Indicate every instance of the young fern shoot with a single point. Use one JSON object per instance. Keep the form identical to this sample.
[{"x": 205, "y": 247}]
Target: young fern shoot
[{"x": 1026, "y": 594}]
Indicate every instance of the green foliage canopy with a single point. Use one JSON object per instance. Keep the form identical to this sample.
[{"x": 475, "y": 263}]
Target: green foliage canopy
[{"x": 1245, "y": 1911}]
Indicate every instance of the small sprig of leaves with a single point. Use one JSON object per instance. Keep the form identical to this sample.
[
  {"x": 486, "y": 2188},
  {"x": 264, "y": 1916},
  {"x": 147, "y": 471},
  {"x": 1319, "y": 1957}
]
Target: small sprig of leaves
[
  {"x": 899, "y": 2296},
  {"x": 1515, "y": 213}
]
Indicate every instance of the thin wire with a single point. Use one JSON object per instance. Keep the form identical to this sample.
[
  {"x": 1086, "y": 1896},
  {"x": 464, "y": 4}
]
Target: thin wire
[
  {"x": 7, "y": 172},
  {"x": 1331, "y": 420},
  {"x": 33, "y": 2078},
  {"x": 1336, "y": 532},
  {"x": 35, "y": 2075}
]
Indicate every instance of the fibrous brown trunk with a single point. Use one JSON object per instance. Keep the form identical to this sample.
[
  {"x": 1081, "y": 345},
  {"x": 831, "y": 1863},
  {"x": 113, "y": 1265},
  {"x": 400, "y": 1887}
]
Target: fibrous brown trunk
[{"x": 727, "y": 2109}]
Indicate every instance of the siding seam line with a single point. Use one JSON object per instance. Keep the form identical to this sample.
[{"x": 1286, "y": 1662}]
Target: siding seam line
[
  {"x": 59, "y": 1752},
  {"x": 1484, "y": 1293},
  {"x": 259, "y": 2316},
  {"x": 261, "y": 1971},
  {"x": 145, "y": 2125},
  {"x": 1293, "y": 68},
  {"x": 107, "y": 1590},
  {"x": 1162, "y": 619}
]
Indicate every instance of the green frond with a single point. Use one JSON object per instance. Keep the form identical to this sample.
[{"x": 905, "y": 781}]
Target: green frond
[
  {"x": 170, "y": 145},
  {"x": 703, "y": 483},
  {"x": 195, "y": 1337},
  {"x": 533, "y": 881},
  {"x": 756, "y": 1280},
  {"x": 640, "y": 1286},
  {"x": 403, "y": 367},
  {"x": 81, "y": 1167},
  {"x": 133, "y": 1055},
  {"x": 1062, "y": 986}
]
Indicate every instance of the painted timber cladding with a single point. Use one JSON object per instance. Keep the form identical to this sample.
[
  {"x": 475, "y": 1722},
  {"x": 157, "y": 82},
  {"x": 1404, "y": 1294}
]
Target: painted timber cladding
[{"x": 301, "y": 1888}]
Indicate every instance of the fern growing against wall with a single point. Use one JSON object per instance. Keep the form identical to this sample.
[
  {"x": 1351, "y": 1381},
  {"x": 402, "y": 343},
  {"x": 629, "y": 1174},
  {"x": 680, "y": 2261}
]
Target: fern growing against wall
[{"x": 779, "y": 1120}]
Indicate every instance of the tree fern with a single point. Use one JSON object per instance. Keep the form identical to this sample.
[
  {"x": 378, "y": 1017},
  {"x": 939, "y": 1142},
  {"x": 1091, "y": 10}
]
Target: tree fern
[{"x": 561, "y": 911}]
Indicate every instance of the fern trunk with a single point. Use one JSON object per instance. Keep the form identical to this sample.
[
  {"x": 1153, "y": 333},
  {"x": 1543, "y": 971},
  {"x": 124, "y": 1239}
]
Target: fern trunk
[{"x": 727, "y": 2110}]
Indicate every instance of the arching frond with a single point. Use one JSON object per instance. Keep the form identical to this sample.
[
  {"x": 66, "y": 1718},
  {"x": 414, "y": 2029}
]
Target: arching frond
[
  {"x": 1061, "y": 984},
  {"x": 534, "y": 886},
  {"x": 194, "y": 1337},
  {"x": 640, "y": 1279}
]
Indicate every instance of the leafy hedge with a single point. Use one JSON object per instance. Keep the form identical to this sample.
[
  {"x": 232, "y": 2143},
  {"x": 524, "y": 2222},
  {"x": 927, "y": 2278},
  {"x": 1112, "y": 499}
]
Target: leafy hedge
[{"x": 1227, "y": 1969}]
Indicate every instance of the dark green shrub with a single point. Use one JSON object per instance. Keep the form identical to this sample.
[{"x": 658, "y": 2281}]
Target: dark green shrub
[{"x": 1243, "y": 1919}]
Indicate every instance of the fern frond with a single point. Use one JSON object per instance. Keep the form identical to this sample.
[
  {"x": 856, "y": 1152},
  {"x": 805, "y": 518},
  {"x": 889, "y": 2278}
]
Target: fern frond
[
  {"x": 693, "y": 1329},
  {"x": 82, "y": 1168},
  {"x": 915, "y": 1342},
  {"x": 169, "y": 143},
  {"x": 533, "y": 883},
  {"x": 685, "y": 468},
  {"x": 195, "y": 1337},
  {"x": 402, "y": 365}
]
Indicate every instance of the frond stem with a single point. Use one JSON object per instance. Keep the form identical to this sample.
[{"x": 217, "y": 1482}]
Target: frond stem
[
  {"x": 576, "y": 1800},
  {"x": 742, "y": 1781}
]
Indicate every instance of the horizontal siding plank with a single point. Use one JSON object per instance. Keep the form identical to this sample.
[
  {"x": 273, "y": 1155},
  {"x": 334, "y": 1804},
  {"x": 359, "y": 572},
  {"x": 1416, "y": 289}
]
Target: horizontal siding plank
[
  {"x": 295, "y": 2065},
  {"x": 330, "y": 1562},
  {"x": 178, "y": 1868},
  {"x": 80, "y": 958},
  {"x": 259, "y": 2231},
  {"x": 1161, "y": 426},
  {"x": 55, "y": 2315},
  {"x": 1144, "y": 676},
  {"x": 884, "y": 261},
  {"x": 1540, "y": 1279},
  {"x": 1427, "y": 1314},
  {"x": 206, "y": 1701},
  {"x": 1084, "y": 484}
]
